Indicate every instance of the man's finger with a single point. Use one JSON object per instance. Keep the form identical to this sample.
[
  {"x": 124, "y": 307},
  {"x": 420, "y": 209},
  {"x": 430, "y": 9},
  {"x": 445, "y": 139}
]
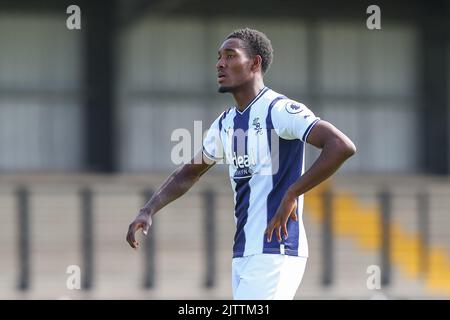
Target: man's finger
[
  {"x": 145, "y": 228},
  {"x": 269, "y": 232},
  {"x": 130, "y": 240},
  {"x": 130, "y": 236},
  {"x": 294, "y": 217},
  {"x": 285, "y": 232},
  {"x": 268, "y": 235},
  {"x": 279, "y": 234}
]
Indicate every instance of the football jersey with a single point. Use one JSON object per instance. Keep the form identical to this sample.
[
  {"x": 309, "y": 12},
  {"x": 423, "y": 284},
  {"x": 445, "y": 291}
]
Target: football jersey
[{"x": 264, "y": 148}]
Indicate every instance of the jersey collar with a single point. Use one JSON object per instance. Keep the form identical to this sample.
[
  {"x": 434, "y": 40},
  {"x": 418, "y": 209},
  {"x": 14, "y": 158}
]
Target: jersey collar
[{"x": 259, "y": 95}]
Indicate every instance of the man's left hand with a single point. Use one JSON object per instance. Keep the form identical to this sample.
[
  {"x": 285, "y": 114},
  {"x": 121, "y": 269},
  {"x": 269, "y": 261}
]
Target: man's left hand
[{"x": 286, "y": 210}]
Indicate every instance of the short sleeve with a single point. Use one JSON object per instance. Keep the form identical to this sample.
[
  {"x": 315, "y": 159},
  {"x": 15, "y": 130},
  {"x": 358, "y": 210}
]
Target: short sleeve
[
  {"x": 292, "y": 120},
  {"x": 212, "y": 143}
]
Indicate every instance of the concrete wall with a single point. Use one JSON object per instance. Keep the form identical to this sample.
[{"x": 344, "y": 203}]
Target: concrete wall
[
  {"x": 365, "y": 82},
  {"x": 40, "y": 79}
]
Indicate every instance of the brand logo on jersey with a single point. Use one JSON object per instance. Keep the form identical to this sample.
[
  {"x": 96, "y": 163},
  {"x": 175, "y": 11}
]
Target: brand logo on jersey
[
  {"x": 257, "y": 126},
  {"x": 294, "y": 108}
]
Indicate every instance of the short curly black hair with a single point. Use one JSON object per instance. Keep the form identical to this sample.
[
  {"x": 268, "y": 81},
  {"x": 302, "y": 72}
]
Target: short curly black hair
[{"x": 257, "y": 44}]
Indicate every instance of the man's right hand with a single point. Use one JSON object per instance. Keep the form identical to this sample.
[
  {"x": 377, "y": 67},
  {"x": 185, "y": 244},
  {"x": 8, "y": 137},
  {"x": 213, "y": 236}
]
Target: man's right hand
[{"x": 143, "y": 221}]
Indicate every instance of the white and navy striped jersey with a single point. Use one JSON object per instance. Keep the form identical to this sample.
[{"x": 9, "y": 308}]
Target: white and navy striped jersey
[{"x": 264, "y": 147}]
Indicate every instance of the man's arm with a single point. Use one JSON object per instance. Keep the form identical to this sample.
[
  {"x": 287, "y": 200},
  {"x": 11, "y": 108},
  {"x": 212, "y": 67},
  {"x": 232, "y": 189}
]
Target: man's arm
[
  {"x": 177, "y": 184},
  {"x": 336, "y": 148}
]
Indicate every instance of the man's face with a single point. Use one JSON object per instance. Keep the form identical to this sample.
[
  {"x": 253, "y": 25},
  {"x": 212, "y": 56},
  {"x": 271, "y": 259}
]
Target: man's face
[{"x": 234, "y": 66}]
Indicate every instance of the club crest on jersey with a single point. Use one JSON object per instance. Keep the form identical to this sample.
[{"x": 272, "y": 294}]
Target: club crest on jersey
[
  {"x": 294, "y": 107},
  {"x": 257, "y": 126}
]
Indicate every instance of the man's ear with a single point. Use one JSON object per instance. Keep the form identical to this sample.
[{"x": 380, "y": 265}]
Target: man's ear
[{"x": 257, "y": 63}]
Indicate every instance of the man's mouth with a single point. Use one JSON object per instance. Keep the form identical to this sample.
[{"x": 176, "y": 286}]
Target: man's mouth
[{"x": 220, "y": 76}]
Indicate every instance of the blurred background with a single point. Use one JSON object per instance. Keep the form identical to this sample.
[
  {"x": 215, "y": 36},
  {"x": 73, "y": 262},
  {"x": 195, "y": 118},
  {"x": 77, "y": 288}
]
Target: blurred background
[{"x": 86, "y": 117}]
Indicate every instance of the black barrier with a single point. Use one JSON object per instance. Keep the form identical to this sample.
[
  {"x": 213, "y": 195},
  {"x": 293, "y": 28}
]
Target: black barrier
[
  {"x": 209, "y": 207},
  {"x": 327, "y": 238},
  {"x": 423, "y": 199},
  {"x": 149, "y": 250},
  {"x": 87, "y": 242},
  {"x": 99, "y": 85},
  {"x": 385, "y": 248},
  {"x": 22, "y": 196},
  {"x": 209, "y": 202}
]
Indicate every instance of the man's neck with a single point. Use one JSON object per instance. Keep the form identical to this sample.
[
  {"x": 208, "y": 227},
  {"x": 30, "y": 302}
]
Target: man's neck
[{"x": 244, "y": 96}]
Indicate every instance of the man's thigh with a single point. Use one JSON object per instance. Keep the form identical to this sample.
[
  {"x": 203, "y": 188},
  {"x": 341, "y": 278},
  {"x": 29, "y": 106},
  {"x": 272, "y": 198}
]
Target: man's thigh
[{"x": 267, "y": 276}]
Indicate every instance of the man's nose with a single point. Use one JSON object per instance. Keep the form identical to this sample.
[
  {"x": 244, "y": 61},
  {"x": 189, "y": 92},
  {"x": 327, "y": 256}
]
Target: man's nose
[{"x": 220, "y": 64}]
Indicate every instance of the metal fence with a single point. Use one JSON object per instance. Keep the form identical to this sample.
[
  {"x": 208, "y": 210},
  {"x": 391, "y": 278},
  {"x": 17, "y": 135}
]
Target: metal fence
[{"x": 209, "y": 234}]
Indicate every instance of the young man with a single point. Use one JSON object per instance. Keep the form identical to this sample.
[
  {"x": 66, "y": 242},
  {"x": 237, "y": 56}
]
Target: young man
[{"x": 262, "y": 139}]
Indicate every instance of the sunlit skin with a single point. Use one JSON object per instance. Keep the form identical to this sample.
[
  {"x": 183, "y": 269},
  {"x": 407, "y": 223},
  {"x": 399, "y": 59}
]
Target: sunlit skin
[{"x": 241, "y": 75}]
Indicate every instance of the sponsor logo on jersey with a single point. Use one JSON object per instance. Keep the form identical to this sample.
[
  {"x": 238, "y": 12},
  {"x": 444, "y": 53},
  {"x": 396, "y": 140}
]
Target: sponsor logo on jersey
[
  {"x": 243, "y": 165},
  {"x": 244, "y": 161},
  {"x": 243, "y": 173}
]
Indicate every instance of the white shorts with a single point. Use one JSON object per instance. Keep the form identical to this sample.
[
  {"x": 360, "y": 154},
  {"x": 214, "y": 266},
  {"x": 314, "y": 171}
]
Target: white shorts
[{"x": 267, "y": 276}]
